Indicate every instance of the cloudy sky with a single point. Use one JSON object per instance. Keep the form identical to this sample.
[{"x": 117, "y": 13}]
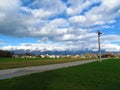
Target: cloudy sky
[{"x": 59, "y": 24}]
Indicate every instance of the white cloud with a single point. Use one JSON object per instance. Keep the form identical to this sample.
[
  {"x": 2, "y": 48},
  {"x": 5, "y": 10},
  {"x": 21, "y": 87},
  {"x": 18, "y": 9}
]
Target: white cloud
[
  {"x": 38, "y": 13},
  {"x": 41, "y": 13},
  {"x": 35, "y": 47},
  {"x": 65, "y": 37},
  {"x": 111, "y": 47},
  {"x": 54, "y": 7},
  {"x": 52, "y": 28},
  {"x": 7, "y": 5},
  {"x": 110, "y": 38},
  {"x": 99, "y": 15},
  {"x": 53, "y": 20},
  {"x": 2, "y": 16},
  {"x": 78, "y": 19},
  {"x": 37, "y": 24},
  {"x": 111, "y": 4},
  {"x": 78, "y": 6},
  {"x": 9, "y": 8}
]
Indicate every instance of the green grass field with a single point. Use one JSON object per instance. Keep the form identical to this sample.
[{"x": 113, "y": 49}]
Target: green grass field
[
  {"x": 92, "y": 76},
  {"x": 26, "y": 59},
  {"x": 7, "y": 63}
]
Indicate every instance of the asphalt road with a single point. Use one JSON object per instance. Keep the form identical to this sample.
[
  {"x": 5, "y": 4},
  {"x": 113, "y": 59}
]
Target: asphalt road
[{"x": 10, "y": 73}]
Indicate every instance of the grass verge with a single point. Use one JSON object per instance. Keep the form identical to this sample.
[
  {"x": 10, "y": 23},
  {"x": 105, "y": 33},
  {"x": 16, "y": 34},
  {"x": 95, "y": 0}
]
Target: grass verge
[
  {"x": 92, "y": 76},
  {"x": 7, "y": 63}
]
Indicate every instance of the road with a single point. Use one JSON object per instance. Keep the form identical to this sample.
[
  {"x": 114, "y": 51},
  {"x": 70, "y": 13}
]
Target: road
[{"x": 10, "y": 73}]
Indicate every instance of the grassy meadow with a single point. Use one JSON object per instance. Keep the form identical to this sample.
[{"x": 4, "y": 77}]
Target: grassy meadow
[
  {"x": 7, "y": 63},
  {"x": 92, "y": 76}
]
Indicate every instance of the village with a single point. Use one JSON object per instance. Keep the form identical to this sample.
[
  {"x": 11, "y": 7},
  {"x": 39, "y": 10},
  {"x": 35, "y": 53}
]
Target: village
[{"x": 87, "y": 55}]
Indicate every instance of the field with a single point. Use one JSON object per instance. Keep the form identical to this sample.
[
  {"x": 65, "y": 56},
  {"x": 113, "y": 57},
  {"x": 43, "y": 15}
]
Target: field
[
  {"x": 6, "y": 63},
  {"x": 92, "y": 76}
]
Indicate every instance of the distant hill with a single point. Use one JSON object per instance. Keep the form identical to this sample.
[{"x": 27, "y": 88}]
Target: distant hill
[
  {"x": 55, "y": 52},
  {"x": 52, "y": 52}
]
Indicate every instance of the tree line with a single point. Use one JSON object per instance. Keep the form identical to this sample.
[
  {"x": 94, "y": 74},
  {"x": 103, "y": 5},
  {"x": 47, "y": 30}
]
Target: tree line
[{"x": 5, "y": 53}]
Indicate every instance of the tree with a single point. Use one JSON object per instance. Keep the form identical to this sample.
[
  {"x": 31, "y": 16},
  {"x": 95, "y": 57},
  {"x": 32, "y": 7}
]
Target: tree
[{"x": 5, "y": 53}]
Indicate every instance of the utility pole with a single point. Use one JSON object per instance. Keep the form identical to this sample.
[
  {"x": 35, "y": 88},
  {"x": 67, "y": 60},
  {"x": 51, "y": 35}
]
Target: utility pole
[{"x": 99, "y": 48}]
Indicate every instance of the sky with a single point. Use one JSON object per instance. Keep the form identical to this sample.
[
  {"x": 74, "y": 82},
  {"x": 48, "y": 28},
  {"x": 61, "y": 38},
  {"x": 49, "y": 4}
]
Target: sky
[{"x": 59, "y": 24}]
